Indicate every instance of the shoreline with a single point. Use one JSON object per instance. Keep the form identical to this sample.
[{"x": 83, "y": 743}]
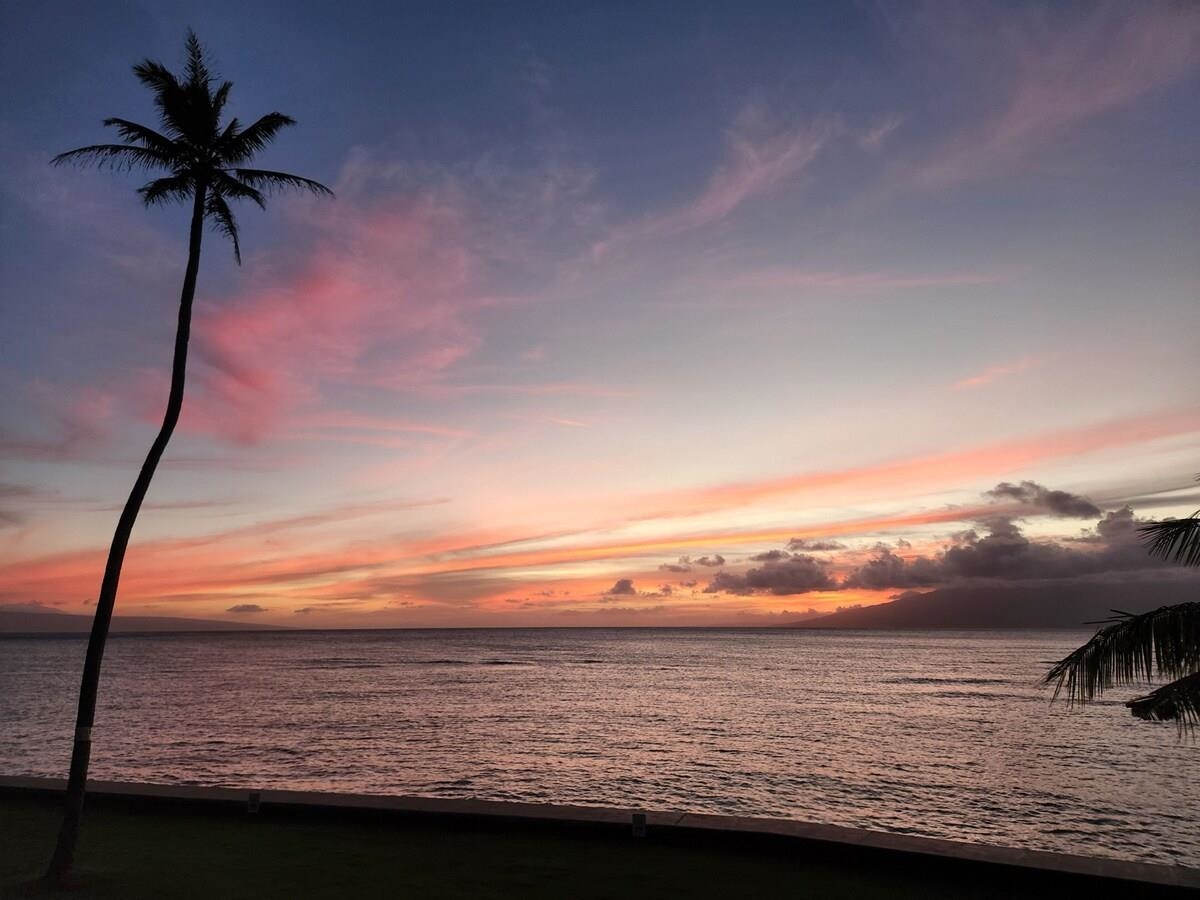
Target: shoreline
[{"x": 849, "y": 846}]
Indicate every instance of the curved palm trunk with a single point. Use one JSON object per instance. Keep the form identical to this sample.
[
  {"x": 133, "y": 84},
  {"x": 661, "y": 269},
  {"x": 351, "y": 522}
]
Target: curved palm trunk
[{"x": 64, "y": 851}]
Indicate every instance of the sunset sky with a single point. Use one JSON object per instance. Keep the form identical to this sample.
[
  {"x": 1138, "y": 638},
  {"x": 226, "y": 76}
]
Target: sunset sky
[{"x": 716, "y": 313}]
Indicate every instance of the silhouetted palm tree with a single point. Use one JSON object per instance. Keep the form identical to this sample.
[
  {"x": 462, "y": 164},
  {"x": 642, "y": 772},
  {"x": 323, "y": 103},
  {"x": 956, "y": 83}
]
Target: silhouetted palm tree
[
  {"x": 1163, "y": 643},
  {"x": 203, "y": 161}
]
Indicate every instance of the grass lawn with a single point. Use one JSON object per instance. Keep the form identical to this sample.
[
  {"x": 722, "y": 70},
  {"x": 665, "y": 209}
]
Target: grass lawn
[{"x": 161, "y": 853}]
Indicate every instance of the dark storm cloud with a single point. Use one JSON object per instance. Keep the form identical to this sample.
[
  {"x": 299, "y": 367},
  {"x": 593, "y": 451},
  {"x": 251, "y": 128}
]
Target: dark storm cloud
[
  {"x": 247, "y": 608},
  {"x": 771, "y": 556},
  {"x": 1053, "y": 503},
  {"x": 798, "y": 574},
  {"x": 814, "y": 546},
  {"x": 995, "y": 549},
  {"x": 1119, "y": 527},
  {"x": 624, "y": 586},
  {"x": 685, "y": 563},
  {"x": 887, "y": 570},
  {"x": 1003, "y": 552},
  {"x": 730, "y": 583}
]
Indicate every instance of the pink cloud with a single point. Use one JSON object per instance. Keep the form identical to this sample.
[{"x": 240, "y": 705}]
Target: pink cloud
[
  {"x": 994, "y": 373},
  {"x": 946, "y": 467},
  {"x": 1058, "y": 76},
  {"x": 760, "y": 157},
  {"x": 383, "y": 298},
  {"x": 381, "y": 289}
]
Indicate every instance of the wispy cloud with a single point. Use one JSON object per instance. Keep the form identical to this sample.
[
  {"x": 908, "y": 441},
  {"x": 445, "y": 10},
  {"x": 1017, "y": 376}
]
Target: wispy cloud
[
  {"x": 547, "y": 419},
  {"x": 78, "y": 426},
  {"x": 944, "y": 468},
  {"x": 874, "y": 137},
  {"x": 89, "y": 208},
  {"x": 539, "y": 389},
  {"x": 997, "y": 372},
  {"x": 778, "y": 278},
  {"x": 392, "y": 273},
  {"x": 1052, "y": 73},
  {"x": 347, "y": 424},
  {"x": 316, "y": 556},
  {"x": 762, "y": 157},
  {"x": 13, "y": 498}
]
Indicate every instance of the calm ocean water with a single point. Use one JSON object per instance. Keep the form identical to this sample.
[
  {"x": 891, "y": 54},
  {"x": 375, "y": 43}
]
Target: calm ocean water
[{"x": 945, "y": 734}]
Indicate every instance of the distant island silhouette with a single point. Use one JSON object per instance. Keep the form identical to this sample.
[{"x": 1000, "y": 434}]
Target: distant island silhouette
[
  {"x": 55, "y": 622},
  {"x": 1051, "y": 604}
]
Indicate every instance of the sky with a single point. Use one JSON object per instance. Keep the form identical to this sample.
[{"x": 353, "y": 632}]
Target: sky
[{"x": 682, "y": 314}]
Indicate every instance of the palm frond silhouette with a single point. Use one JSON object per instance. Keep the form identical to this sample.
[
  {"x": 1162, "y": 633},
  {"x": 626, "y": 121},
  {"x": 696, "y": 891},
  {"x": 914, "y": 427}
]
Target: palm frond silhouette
[{"x": 1131, "y": 649}]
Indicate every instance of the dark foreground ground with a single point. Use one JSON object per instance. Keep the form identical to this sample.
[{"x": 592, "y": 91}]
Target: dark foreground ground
[{"x": 130, "y": 852}]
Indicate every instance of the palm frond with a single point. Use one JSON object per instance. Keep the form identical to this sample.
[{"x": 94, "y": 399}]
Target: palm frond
[
  {"x": 231, "y": 129},
  {"x": 172, "y": 188},
  {"x": 117, "y": 156},
  {"x": 185, "y": 107},
  {"x": 1178, "y": 701},
  {"x": 1174, "y": 539},
  {"x": 218, "y": 211},
  {"x": 156, "y": 76},
  {"x": 270, "y": 182},
  {"x": 226, "y": 185},
  {"x": 195, "y": 68},
  {"x": 132, "y": 132},
  {"x": 220, "y": 96},
  {"x": 196, "y": 149},
  {"x": 168, "y": 92},
  {"x": 252, "y": 139},
  {"x": 1164, "y": 642}
]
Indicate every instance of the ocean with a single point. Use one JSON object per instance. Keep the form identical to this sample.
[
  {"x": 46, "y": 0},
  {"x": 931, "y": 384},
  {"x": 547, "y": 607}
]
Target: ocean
[{"x": 939, "y": 733}]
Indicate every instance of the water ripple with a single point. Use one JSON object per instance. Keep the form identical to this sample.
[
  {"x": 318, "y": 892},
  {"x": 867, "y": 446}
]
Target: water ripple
[{"x": 944, "y": 734}]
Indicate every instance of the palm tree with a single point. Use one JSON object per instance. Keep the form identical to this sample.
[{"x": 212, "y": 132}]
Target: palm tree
[
  {"x": 1164, "y": 642},
  {"x": 201, "y": 160}
]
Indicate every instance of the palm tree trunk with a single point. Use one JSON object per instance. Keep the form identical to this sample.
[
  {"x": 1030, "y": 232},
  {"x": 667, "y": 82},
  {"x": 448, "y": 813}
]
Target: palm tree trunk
[{"x": 64, "y": 851}]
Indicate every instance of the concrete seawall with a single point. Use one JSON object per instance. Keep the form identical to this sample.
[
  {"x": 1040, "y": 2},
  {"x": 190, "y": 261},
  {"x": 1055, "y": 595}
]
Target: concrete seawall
[{"x": 800, "y": 839}]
